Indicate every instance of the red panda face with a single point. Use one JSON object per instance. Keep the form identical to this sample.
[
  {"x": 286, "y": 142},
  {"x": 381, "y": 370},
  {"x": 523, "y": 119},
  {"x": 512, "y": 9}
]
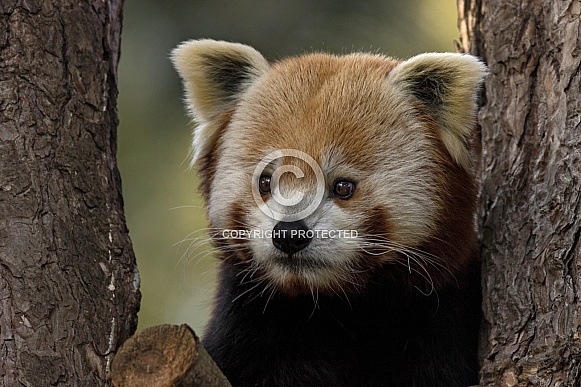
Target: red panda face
[{"x": 321, "y": 171}]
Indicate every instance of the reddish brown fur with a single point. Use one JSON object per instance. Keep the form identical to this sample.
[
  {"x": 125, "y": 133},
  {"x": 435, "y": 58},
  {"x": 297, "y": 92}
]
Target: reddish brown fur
[
  {"x": 304, "y": 120},
  {"x": 406, "y": 292}
]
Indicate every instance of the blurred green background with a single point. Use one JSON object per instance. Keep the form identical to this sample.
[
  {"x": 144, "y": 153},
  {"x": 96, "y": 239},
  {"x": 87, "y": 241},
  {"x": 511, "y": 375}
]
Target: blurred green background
[{"x": 164, "y": 211}]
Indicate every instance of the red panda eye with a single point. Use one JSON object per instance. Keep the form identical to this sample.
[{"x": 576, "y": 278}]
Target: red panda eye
[
  {"x": 264, "y": 184},
  {"x": 344, "y": 189}
]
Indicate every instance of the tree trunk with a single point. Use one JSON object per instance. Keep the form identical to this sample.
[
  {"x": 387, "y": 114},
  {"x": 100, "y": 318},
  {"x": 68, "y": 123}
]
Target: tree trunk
[
  {"x": 531, "y": 188},
  {"x": 69, "y": 286}
]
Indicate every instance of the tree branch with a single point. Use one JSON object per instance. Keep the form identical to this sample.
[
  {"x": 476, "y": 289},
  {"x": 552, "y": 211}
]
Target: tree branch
[{"x": 165, "y": 355}]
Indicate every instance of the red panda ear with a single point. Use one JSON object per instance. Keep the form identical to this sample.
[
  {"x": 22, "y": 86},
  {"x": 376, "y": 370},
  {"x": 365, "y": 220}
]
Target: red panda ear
[
  {"x": 447, "y": 86},
  {"x": 215, "y": 74}
]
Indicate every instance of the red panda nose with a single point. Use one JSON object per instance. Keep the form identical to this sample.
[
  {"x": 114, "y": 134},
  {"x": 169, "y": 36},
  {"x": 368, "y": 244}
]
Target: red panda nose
[{"x": 290, "y": 237}]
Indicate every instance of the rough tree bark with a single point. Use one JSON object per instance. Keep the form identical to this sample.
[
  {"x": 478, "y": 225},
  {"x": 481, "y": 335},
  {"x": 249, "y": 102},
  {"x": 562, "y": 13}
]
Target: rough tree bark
[
  {"x": 531, "y": 188},
  {"x": 69, "y": 286}
]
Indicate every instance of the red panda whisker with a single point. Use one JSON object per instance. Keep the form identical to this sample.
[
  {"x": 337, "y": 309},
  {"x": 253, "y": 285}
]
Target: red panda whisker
[
  {"x": 246, "y": 291},
  {"x": 260, "y": 294},
  {"x": 418, "y": 256},
  {"x": 250, "y": 271},
  {"x": 189, "y": 237},
  {"x": 427, "y": 277},
  {"x": 272, "y": 292},
  {"x": 199, "y": 257},
  {"x": 399, "y": 245},
  {"x": 340, "y": 287},
  {"x": 315, "y": 298}
]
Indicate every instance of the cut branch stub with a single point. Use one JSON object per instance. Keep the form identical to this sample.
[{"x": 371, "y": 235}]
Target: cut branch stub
[{"x": 165, "y": 355}]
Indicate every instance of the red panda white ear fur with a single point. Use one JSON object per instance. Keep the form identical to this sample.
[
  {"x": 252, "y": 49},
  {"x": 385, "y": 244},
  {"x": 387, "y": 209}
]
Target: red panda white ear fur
[
  {"x": 446, "y": 85},
  {"x": 215, "y": 74}
]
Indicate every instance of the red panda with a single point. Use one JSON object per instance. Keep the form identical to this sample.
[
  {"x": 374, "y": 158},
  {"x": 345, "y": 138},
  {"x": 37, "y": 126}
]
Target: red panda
[{"x": 341, "y": 197}]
